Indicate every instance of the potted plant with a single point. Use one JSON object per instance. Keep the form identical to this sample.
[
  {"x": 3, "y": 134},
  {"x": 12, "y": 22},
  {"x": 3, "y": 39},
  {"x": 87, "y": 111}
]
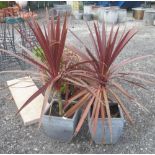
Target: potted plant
[
  {"x": 94, "y": 79},
  {"x": 54, "y": 124},
  {"x": 53, "y": 72},
  {"x": 101, "y": 80}
]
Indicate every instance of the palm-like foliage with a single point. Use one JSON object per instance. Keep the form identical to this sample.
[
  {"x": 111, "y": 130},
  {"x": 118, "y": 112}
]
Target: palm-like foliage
[
  {"x": 99, "y": 77},
  {"x": 48, "y": 57},
  {"x": 51, "y": 44}
]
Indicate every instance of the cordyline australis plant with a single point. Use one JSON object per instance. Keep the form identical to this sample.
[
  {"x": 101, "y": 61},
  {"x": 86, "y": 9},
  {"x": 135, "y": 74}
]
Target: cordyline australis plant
[
  {"x": 51, "y": 43},
  {"x": 55, "y": 67},
  {"x": 99, "y": 77}
]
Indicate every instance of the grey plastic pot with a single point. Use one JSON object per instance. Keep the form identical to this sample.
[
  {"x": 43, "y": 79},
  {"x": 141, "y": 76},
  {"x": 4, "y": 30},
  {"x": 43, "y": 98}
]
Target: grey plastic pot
[
  {"x": 87, "y": 16},
  {"x": 149, "y": 17},
  {"x": 122, "y": 15},
  {"x": 78, "y": 16},
  {"x": 60, "y": 128},
  {"x": 109, "y": 15},
  {"x": 117, "y": 129}
]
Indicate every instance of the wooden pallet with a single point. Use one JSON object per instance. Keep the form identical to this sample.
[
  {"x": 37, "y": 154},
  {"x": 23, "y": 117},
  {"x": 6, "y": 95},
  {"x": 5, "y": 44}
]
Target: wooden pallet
[{"x": 21, "y": 91}]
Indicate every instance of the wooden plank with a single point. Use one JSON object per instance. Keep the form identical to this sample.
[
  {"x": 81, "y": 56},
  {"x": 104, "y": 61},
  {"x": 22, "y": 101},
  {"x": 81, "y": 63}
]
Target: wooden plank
[{"x": 21, "y": 91}]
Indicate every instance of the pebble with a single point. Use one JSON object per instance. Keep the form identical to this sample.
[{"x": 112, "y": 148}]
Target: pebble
[
  {"x": 72, "y": 144},
  {"x": 78, "y": 146},
  {"x": 35, "y": 149},
  {"x": 7, "y": 118}
]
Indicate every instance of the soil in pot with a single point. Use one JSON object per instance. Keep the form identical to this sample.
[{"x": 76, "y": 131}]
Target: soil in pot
[
  {"x": 54, "y": 110},
  {"x": 114, "y": 111}
]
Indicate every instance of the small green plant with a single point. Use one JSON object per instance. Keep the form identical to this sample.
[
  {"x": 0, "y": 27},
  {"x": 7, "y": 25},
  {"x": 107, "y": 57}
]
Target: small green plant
[
  {"x": 3, "y": 4},
  {"x": 38, "y": 51}
]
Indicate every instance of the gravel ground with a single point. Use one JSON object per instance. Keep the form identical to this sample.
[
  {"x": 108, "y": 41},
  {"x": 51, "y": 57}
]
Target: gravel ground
[{"x": 136, "y": 138}]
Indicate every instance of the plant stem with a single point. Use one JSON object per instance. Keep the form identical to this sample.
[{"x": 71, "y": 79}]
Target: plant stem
[
  {"x": 50, "y": 111},
  {"x": 60, "y": 104}
]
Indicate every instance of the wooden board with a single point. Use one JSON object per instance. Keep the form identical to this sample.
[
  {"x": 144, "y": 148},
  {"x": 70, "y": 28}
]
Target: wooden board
[{"x": 21, "y": 91}]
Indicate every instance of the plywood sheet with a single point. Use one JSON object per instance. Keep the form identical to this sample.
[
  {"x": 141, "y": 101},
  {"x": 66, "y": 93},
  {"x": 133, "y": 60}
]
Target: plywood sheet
[{"x": 21, "y": 91}]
